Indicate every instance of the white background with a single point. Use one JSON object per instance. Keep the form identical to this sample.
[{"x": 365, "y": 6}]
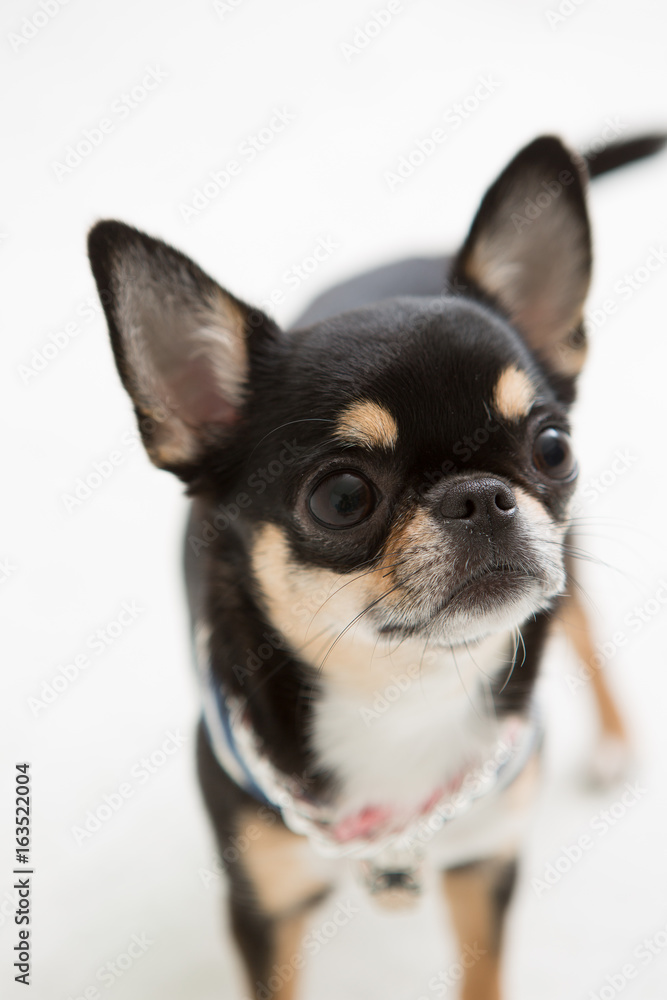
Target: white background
[{"x": 323, "y": 176}]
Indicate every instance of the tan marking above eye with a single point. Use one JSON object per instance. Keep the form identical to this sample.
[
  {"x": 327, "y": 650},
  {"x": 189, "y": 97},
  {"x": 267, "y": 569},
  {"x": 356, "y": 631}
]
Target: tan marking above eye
[
  {"x": 514, "y": 394},
  {"x": 368, "y": 425}
]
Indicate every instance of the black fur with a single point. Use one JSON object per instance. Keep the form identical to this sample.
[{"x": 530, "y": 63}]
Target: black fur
[{"x": 427, "y": 339}]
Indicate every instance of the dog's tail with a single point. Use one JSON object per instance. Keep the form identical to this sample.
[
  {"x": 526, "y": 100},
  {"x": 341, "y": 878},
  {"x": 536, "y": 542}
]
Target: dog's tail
[{"x": 618, "y": 154}]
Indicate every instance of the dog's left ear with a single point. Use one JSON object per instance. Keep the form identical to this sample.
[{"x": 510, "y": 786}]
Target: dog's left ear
[{"x": 529, "y": 251}]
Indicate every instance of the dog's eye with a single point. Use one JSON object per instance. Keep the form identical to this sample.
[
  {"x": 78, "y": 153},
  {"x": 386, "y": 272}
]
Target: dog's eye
[
  {"x": 342, "y": 500},
  {"x": 552, "y": 454}
]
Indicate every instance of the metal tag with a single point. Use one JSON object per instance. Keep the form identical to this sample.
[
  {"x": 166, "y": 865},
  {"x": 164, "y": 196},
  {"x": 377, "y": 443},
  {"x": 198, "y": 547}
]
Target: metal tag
[{"x": 393, "y": 877}]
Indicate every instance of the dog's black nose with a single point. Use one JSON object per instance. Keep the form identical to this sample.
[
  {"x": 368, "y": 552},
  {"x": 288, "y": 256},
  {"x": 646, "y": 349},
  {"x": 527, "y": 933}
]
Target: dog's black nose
[{"x": 481, "y": 503}]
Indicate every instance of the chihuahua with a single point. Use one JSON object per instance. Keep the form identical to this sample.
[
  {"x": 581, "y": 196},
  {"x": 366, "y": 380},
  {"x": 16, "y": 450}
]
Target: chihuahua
[{"x": 377, "y": 548}]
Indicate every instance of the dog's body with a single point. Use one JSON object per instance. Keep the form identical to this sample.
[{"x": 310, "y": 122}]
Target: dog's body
[{"x": 377, "y": 543}]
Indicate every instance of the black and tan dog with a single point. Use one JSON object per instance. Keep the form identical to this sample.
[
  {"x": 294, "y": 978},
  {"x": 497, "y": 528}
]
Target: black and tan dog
[{"x": 378, "y": 542}]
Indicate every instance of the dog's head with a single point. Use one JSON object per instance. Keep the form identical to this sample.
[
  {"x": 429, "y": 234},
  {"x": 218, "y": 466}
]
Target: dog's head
[{"x": 407, "y": 466}]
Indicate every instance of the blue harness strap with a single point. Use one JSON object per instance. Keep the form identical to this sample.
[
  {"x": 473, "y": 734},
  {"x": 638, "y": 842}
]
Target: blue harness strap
[{"x": 218, "y": 728}]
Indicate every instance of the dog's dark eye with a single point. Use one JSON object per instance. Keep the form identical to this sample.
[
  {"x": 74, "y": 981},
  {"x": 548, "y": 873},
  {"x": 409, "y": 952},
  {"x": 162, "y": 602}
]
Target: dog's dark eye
[
  {"x": 552, "y": 454},
  {"x": 342, "y": 500}
]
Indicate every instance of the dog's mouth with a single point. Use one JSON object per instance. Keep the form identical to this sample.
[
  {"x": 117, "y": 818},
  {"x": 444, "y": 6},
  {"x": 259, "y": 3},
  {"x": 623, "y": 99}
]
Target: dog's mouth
[
  {"x": 481, "y": 594},
  {"x": 492, "y": 587}
]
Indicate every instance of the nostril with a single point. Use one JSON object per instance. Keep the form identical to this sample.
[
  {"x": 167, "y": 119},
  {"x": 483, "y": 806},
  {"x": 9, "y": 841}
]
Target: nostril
[
  {"x": 469, "y": 509},
  {"x": 505, "y": 501}
]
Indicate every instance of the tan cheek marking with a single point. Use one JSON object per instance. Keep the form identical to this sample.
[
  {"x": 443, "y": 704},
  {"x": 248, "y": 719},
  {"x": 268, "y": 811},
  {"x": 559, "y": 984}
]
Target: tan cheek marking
[
  {"x": 301, "y": 601},
  {"x": 514, "y": 394},
  {"x": 539, "y": 519},
  {"x": 283, "y": 871},
  {"x": 536, "y": 512},
  {"x": 368, "y": 425},
  {"x": 312, "y": 608}
]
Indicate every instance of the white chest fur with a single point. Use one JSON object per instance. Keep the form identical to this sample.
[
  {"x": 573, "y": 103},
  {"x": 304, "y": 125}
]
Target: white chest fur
[{"x": 428, "y": 719}]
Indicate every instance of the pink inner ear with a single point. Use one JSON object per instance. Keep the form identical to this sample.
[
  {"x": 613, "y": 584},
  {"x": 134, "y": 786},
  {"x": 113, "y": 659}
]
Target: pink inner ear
[{"x": 197, "y": 397}]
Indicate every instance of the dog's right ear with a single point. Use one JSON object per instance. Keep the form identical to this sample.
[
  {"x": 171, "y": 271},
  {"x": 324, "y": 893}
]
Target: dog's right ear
[{"x": 182, "y": 344}]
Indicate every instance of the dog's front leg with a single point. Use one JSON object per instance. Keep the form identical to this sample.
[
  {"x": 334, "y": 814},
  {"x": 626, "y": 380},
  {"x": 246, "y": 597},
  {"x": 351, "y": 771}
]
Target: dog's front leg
[
  {"x": 273, "y": 887},
  {"x": 274, "y": 881},
  {"x": 478, "y": 895}
]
